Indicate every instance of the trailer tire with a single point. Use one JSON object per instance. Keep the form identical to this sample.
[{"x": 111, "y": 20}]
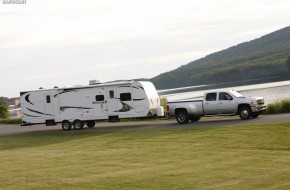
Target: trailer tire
[
  {"x": 245, "y": 112},
  {"x": 90, "y": 123},
  {"x": 78, "y": 124},
  {"x": 182, "y": 117},
  {"x": 66, "y": 125}
]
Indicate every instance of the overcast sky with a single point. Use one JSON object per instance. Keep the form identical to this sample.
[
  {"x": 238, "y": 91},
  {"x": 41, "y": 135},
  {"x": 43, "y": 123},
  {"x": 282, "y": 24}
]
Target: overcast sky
[{"x": 47, "y": 43}]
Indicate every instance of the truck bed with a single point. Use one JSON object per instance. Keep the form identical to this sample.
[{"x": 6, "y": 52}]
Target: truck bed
[{"x": 194, "y": 107}]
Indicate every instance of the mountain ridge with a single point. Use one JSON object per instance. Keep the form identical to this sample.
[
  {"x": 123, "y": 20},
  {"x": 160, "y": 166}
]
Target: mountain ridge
[{"x": 261, "y": 58}]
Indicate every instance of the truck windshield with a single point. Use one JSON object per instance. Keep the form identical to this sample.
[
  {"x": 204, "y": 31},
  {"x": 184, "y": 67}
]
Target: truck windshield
[{"x": 236, "y": 94}]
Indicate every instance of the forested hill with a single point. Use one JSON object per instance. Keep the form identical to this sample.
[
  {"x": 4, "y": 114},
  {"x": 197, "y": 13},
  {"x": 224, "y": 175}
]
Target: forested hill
[{"x": 262, "y": 58}]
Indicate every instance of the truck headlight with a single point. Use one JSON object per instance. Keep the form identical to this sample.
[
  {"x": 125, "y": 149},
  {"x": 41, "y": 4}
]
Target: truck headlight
[{"x": 254, "y": 103}]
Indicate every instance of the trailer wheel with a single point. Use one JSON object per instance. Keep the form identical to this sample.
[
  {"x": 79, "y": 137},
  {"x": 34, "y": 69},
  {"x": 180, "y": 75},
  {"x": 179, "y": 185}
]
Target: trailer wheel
[
  {"x": 78, "y": 124},
  {"x": 245, "y": 112},
  {"x": 182, "y": 117},
  {"x": 66, "y": 125},
  {"x": 90, "y": 124}
]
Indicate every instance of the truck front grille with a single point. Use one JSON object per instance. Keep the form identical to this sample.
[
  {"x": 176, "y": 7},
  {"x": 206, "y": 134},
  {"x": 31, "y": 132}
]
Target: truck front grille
[{"x": 261, "y": 102}]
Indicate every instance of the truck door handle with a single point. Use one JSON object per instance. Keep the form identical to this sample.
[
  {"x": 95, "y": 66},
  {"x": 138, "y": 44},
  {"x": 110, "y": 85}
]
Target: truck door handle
[
  {"x": 206, "y": 103},
  {"x": 220, "y": 103}
]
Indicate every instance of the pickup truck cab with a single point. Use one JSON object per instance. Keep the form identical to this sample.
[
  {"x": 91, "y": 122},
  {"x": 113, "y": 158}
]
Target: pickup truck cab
[{"x": 224, "y": 103}]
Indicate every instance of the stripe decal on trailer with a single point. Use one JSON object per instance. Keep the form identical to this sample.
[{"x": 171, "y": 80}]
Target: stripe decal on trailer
[
  {"x": 39, "y": 112},
  {"x": 69, "y": 107},
  {"x": 30, "y": 115},
  {"x": 27, "y": 99}
]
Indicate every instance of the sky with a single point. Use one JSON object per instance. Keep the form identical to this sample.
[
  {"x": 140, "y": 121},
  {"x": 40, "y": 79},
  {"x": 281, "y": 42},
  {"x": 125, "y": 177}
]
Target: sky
[{"x": 47, "y": 43}]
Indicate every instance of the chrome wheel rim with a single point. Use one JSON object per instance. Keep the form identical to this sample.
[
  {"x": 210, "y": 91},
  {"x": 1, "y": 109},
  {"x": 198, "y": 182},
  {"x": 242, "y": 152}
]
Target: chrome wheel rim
[
  {"x": 78, "y": 125},
  {"x": 244, "y": 113},
  {"x": 181, "y": 118}
]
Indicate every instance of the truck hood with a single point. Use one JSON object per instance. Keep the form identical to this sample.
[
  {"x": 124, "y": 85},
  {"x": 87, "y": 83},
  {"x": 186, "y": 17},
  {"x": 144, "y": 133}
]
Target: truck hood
[
  {"x": 252, "y": 98},
  {"x": 249, "y": 99}
]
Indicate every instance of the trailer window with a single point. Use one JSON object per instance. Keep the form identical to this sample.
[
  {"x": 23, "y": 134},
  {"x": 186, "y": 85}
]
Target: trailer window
[
  {"x": 210, "y": 97},
  {"x": 48, "y": 99},
  {"x": 111, "y": 94},
  {"x": 100, "y": 97},
  {"x": 125, "y": 97}
]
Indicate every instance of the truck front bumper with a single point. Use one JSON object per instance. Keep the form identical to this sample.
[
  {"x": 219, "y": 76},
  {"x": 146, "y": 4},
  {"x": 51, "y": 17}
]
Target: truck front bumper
[{"x": 258, "y": 108}]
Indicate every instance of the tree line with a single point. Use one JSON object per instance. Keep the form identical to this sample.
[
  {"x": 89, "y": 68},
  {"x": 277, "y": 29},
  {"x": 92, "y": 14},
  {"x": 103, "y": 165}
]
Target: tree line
[
  {"x": 262, "y": 58},
  {"x": 3, "y": 108}
]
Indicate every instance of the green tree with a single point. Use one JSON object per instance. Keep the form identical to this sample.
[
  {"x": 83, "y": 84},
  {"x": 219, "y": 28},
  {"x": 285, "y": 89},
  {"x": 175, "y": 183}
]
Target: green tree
[
  {"x": 3, "y": 101},
  {"x": 163, "y": 102},
  {"x": 3, "y": 111}
]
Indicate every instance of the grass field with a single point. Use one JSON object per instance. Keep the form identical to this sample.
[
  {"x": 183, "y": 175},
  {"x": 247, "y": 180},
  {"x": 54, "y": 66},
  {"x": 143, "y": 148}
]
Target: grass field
[{"x": 229, "y": 157}]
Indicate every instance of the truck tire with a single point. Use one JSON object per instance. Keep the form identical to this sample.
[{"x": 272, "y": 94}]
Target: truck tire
[
  {"x": 245, "y": 113},
  {"x": 194, "y": 118},
  {"x": 182, "y": 117},
  {"x": 255, "y": 115},
  {"x": 90, "y": 124},
  {"x": 78, "y": 124},
  {"x": 66, "y": 125}
]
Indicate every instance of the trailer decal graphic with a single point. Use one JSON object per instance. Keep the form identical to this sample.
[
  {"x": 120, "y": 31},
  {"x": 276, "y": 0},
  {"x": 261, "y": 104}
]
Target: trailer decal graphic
[
  {"x": 30, "y": 115},
  {"x": 137, "y": 87},
  {"x": 139, "y": 99},
  {"x": 125, "y": 108},
  {"x": 141, "y": 87},
  {"x": 39, "y": 112},
  {"x": 65, "y": 91},
  {"x": 27, "y": 99},
  {"x": 70, "y": 107}
]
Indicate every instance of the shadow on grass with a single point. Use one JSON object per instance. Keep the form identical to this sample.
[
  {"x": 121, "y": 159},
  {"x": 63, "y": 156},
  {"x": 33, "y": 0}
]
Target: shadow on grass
[{"x": 112, "y": 134}]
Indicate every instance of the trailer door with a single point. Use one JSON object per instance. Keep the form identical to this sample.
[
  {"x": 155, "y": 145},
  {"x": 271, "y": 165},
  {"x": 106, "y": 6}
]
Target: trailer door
[
  {"x": 112, "y": 101},
  {"x": 48, "y": 107}
]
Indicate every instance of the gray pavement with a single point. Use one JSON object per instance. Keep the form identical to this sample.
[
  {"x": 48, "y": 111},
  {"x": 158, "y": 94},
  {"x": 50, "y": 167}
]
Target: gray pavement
[{"x": 204, "y": 122}]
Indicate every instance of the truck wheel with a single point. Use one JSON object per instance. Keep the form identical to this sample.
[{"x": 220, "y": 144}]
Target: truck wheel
[
  {"x": 78, "y": 124},
  {"x": 194, "y": 118},
  {"x": 90, "y": 124},
  {"x": 66, "y": 125},
  {"x": 245, "y": 112},
  {"x": 255, "y": 115},
  {"x": 182, "y": 117}
]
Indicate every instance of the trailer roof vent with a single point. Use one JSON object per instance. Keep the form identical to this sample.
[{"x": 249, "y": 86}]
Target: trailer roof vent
[{"x": 93, "y": 82}]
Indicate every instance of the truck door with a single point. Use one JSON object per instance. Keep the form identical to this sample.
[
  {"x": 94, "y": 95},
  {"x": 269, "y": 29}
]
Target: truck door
[
  {"x": 112, "y": 101},
  {"x": 210, "y": 104},
  {"x": 226, "y": 104}
]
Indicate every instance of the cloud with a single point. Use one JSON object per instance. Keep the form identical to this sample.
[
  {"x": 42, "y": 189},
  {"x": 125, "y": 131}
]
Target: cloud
[
  {"x": 45, "y": 76},
  {"x": 54, "y": 40}
]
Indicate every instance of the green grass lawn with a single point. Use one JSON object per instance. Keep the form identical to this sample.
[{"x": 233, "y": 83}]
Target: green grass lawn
[{"x": 230, "y": 157}]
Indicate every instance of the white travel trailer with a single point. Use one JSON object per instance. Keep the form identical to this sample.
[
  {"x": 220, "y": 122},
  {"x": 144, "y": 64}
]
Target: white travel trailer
[{"x": 76, "y": 106}]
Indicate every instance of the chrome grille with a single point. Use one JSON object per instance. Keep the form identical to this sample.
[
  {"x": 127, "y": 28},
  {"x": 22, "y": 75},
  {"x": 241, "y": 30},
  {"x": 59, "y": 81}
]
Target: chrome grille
[{"x": 261, "y": 102}]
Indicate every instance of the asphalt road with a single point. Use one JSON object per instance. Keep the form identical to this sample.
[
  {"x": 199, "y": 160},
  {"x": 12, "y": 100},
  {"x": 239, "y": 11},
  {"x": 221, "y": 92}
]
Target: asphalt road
[{"x": 204, "y": 122}]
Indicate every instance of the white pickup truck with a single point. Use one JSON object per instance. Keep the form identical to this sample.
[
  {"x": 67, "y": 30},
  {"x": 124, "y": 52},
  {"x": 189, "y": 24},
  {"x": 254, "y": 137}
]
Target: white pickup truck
[{"x": 224, "y": 103}]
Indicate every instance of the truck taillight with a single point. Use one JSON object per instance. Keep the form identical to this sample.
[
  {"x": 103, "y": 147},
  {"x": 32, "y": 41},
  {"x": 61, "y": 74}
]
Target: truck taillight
[{"x": 167, "y": 107}]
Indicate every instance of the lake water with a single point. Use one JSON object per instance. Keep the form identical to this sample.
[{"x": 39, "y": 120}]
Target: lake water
[{"x": 271, "y": 92}]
